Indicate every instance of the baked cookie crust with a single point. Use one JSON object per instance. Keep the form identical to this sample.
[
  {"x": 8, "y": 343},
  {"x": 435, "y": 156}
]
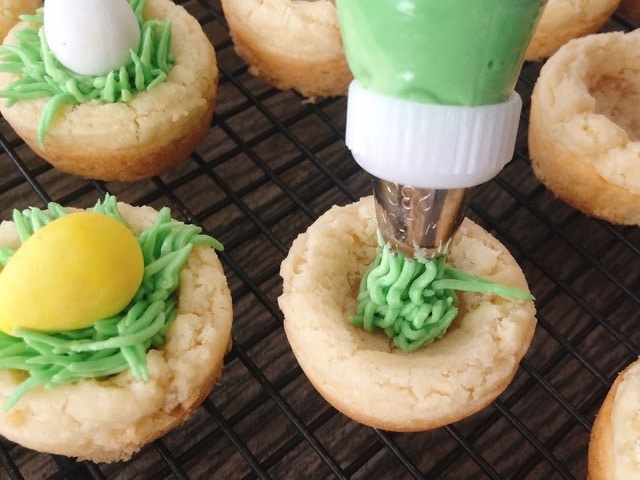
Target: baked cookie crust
[
  {"x": 362, "y": 374},
  {"x": 131, "y": 141},
  {"x": 615, "y": 435},
  {"x": 584, "y": 129},
  {"x": 291, "y": 44},
  {"x": 10, "y": 11},
  {"x": 564, "y": 20}
]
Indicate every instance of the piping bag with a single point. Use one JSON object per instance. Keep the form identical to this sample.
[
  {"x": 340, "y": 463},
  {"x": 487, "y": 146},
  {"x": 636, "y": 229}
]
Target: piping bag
[{"x": 431, "y": 111}]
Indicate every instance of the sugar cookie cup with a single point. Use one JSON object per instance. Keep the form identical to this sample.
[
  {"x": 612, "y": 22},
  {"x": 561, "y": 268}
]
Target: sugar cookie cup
[
  {"x": 616, "y": 430},
  {"x": 362, "y": 374},
  {"x": 110, "y": 419},
  {"x": 291, "y": 44},
  {"x": 563, "y": 20},
  {"x": 131, "y": 141},
  {"x": 584, "y": 128}
]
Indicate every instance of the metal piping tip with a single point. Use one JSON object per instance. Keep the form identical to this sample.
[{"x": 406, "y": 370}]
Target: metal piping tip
[{"x": 419, "y": 221}]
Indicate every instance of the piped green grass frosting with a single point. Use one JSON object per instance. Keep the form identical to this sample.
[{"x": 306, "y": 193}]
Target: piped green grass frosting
[
  {"x": 114, "y": 344},
  {"x": 42, "y": 75},
  {"x": 414, "y": 300}
]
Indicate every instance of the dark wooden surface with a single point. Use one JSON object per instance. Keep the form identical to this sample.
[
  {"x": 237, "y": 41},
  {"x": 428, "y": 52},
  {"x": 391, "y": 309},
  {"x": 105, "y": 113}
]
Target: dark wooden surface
[{"x": 270, "y": 165}]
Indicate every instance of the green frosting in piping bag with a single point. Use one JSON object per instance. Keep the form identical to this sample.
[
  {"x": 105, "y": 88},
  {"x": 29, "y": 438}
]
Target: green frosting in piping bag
[
  {"x": 42, "y": 76},
  {"x": 449, "y": 52},
  {"x": 405, "y": 54}
]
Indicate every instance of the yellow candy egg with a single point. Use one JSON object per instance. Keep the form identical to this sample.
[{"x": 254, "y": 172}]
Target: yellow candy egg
[{"x": 76, "y": 270}]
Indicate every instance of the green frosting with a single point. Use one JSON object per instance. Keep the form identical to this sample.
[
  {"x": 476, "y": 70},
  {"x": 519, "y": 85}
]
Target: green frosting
[
  {"x": 413, "y": 300},
  {"x": 42, "y": 76},
  {"x": 113, "y": 344},
  {"x": 449, "y": 52}
]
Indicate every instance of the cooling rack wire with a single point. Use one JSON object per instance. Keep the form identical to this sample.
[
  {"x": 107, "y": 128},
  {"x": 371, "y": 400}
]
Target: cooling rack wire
[{"x": 269, "y": 167}]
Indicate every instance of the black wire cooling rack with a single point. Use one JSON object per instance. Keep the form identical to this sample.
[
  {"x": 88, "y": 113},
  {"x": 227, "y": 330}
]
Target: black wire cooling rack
[{"x": 269, "y": 167}]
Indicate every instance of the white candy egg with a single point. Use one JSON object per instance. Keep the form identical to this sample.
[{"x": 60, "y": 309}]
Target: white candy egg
[{"x": 91, "y": 37}]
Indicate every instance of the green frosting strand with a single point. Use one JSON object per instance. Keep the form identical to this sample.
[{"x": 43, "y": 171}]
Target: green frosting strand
[
  {"x": 413, "y": 300},
  {"x": 114, "y": 344},
  {"x": 42, "y": 76}
]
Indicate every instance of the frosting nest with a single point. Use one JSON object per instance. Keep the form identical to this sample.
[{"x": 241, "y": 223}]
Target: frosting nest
[
  {"x": 414, "y": 300},
  {"x": 113, "y": 344}
]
